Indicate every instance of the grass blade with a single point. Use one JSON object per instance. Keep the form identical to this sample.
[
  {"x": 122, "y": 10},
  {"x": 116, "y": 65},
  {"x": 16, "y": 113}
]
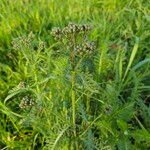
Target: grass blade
[{"x": 134, "y": 51}]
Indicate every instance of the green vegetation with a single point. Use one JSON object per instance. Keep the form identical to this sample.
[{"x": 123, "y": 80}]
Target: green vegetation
[{"x": 62, "y": 92}]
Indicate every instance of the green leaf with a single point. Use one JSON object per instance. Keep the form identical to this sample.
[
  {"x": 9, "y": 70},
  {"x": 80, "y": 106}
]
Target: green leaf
[
  {"x": 134, "y": 51},
  {"x": 141, "y": 63}
]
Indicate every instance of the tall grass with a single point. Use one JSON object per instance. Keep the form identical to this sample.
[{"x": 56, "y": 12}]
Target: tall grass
[{"x": 109, "y": 90}]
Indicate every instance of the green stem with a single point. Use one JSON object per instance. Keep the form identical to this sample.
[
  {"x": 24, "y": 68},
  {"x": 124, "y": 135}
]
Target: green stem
[
  {"x": 73, "y": 102},
  {"x": 73, "y": 94}
]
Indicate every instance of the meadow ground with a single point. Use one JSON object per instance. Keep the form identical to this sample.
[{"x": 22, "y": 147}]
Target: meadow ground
[{"x": 52, "y": 98}]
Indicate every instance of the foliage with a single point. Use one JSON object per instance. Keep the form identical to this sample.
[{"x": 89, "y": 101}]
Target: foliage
[{"x": 97, "y": 100}]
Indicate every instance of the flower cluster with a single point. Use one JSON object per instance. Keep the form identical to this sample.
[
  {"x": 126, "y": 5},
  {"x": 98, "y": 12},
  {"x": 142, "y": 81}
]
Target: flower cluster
[
  {"x": 75, "y": 37},
  {"x": 71, "y": 28},
  {"x": 20, "y": 42},
  {"x": 21, "y": 85},
  {"x": 57, "y": 33},
  {"x": 86, "y": 48},
  {"x": 26, "y": 102},
  {"x": 41, "y": 45}
]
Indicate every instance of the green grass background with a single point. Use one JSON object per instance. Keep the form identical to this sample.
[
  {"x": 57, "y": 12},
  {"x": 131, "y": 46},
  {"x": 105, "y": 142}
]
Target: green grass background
[{"x": 113, "y": 88}]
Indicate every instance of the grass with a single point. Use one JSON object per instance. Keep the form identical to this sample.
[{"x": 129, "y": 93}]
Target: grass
[{"x": 105, "y": 106}]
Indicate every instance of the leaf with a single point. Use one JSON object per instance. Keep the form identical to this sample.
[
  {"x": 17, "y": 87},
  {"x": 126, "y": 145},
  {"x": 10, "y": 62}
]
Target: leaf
[
  {"x": 124, "y": 144},
  {"x": 125, "y": 112},
  {"x": 134, "y": 51},
  {"x": 122, "y": 125},
  {"x": 8, "y": 112},
  {"x": 14, "y": 93},
  {"x": 53, "y": 143},
  {"x": 140, "y": 64}
]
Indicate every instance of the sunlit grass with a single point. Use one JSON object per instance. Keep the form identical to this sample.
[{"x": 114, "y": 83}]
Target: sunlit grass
[{"x": 111, "y": 87}]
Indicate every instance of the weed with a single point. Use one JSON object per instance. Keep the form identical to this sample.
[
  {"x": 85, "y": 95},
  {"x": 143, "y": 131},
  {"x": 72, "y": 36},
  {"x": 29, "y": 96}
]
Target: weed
[{"x": 64, "y": 91}]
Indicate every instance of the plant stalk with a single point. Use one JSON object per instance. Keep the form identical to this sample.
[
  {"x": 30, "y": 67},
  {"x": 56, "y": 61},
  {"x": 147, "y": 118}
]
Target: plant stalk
[{"x": 73, "y": 102}]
